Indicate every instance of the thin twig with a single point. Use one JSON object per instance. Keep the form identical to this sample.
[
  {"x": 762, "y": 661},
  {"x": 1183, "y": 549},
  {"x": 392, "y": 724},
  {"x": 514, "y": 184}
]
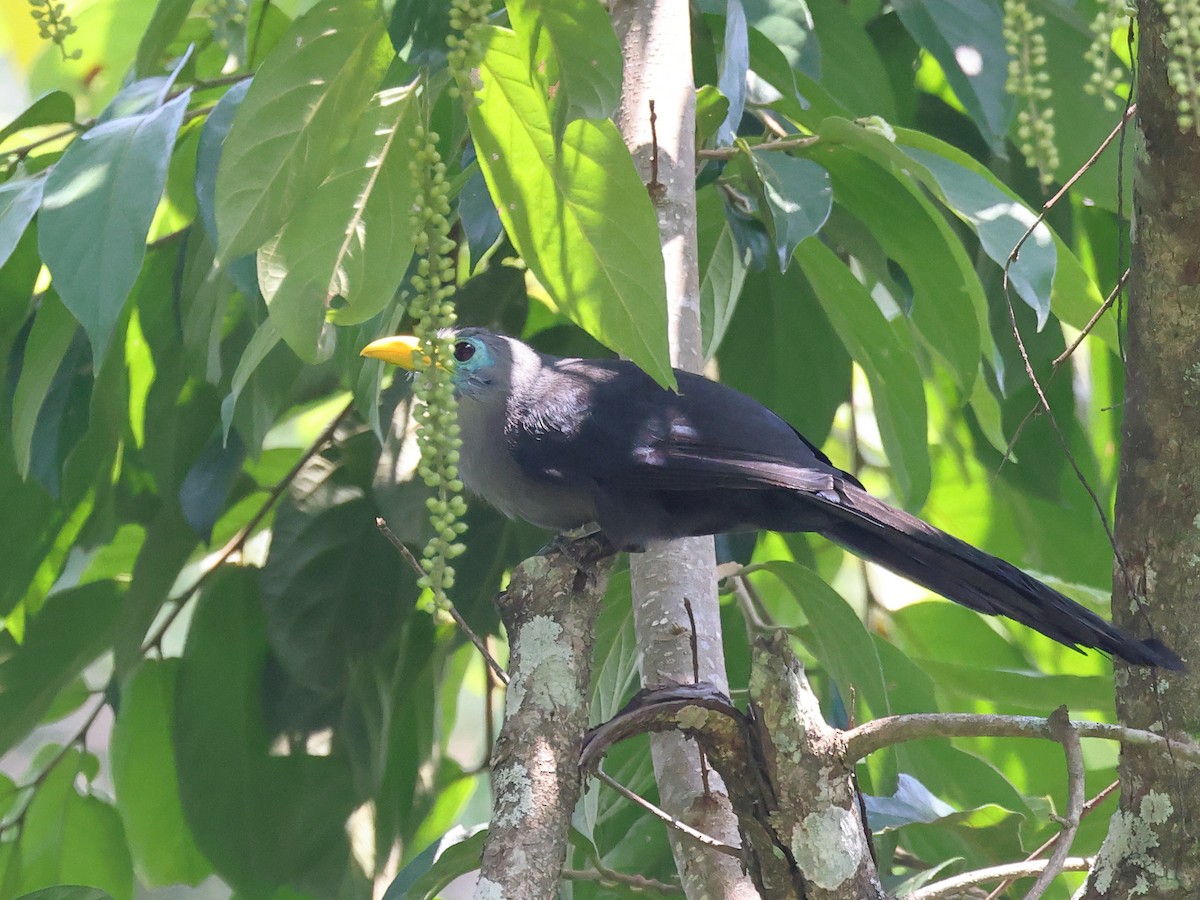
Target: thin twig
[
  {"x": 734, "y": 152},
  {"x": 670, "y": 820},
  {"x": 1070, "y": 182},
  {"x": 955, "y": 887},
  {"x": 1087, "y": 808},
  {"x": 1104, "y": 307},
  {"x": 1064, "y": 732},
  {"x": 466, "y": 629},
  {"x": 607, "y": 877},
  {"x": 879, "y": 733},
  {"x": 687, "y": 605}
]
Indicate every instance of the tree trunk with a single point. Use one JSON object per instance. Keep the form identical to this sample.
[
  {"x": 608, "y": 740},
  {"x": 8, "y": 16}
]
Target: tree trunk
[
  {"x": 1152, "y": 848},
  {"x": 655, "y": 39}
]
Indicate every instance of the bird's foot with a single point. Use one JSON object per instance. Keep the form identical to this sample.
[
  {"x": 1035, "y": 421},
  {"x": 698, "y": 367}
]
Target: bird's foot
[{"x": 584, "y": 546}]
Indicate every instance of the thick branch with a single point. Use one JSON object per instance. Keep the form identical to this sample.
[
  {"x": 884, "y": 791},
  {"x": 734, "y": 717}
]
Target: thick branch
[{"x": 550, "y": 612}]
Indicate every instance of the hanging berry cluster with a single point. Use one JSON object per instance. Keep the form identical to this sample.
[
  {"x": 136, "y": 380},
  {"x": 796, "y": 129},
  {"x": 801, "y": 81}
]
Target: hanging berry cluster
[{"x": 432, "y": 309}]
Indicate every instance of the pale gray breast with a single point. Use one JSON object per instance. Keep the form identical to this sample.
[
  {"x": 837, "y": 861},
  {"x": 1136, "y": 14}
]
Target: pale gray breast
[{"x": 487, "y": 468}]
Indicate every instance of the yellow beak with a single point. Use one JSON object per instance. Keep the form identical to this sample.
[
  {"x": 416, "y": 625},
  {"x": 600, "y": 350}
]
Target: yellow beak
[{"x": 400, "y": 350}]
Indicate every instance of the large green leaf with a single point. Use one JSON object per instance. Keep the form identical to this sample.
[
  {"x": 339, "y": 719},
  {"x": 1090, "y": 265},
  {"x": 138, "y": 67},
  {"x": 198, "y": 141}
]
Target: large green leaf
[
  {"x": 73, "y": 839},
  {"x": 303, "y": 103},
  {"x": 841, "y": 641},
  {"x": 333, "y": 587},
  {"x": 577, "y": 211},
  {"x": 782, "y": 350},
  {"x": 966, "y": 38},
  {"x": 885, "y": 353},
  {"x": 96, "y": 212},
  {"x": 352, "y": 239},
  {"x": 995, "y": 211},
  {"x": 797, "y": 198},
  {"x": 147, "y": 785},
  {"x": 723, "y": 270},
  {"x": 72, "y": 629},
  {"x": 48, "y": 109},
  {"x": 262, "y": 820},
  {"x": 949, "y": 307},
  {"x": 587, "y": 51},
  {"x": 19, "y": 200},
  {"x": 168, "y": 18},
  {"x": 51, "y": 335}
]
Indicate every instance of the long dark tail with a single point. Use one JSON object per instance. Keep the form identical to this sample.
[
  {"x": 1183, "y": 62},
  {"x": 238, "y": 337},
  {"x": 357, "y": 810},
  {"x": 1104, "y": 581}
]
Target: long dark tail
[{"x": 966, "y": 575}]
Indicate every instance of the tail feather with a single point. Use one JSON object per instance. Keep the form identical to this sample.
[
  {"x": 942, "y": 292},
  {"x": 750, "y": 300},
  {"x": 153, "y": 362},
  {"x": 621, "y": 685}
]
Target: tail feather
[{"x": 967, "y": 575}]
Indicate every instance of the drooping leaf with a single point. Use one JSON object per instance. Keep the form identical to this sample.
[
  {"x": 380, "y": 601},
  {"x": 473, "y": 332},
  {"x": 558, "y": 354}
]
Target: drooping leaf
[
  {"x": 51, "y": 336},
  {"x": 263, "y": 821},
  {"x": 577, "y": 212},
  {"x": 966, "y": 38},
  {"x": 735, "y": 65},
  {"x": 421, "y": 28},
  {"x": 332, "y": 585},
  {"x": 70, "y": 839},
  {"x": 949, "y": 306},
  {"x": 788, "y": 24},
  {"x": 886, "y": 356},
  {"x": 588, "y": 54},
  {"x": 147, "y": 783},
  {"x": 307, "y": 95},
  {"x": 266, "y": 336},
  {"x": 19, "y": 200},
  {"x": 72, "y": 629},
  {"x": 168, "y": 18},
  {"x": 209, "y": 481},
  {"x": 352, "y": 239},
  {"x": 437, "y": 866},
  {"x": 96, "y": 212},
  {"x": 1074, "y": 297},
  {"x": 50, "y": 108},
  {"x": 912, "y": 802},
  {"x": 723, "y": 272},
  {"x": 798, "y": 198}
]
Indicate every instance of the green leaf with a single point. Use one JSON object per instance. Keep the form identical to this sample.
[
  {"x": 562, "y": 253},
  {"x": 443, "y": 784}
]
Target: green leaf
[
  {"x": 352, "y": 239},
  {"x": 426, "y": 25},
  {"x": 949, "y": 306},
  {"x": 49, "y": 109},
  {"x": 1000, "y": 223},
  {"x": 1017, "y": 691},
  {"x": 851, "y": 68},
  {"x": 53, "y": 330},
  {"x": 68, "y": 892},
  {"x": 966, "y": 38},
  {"x": 169, "y": 542},
  {"x": 263, "y": 821},
  {"x": 577, "y": 212},
  {"x": 307, "y": 95},
  {"x": 266, "y": 336},
  {"x": 147, "y": 785},
  {"x": 19, "y": 200},
  {"x": 69, "y": 839},
  {"x": 782, "y": 338},
  {"x": 168, "y": 18},
  {"x": 72, "y": 629},
  {"x": 840, "y": 640},
  {"x": 96, "y": 212},
  {"x": 333, "y": 587},
  {"x": 886, "y": 356},
  {"x": 589, "y": 56},
  {"x": 788, "y": 24},
  {"x": 1074, "y": 297},
  {"x": 798, "y": 196},
  {"x": 424, "y": 878},
  {"x": 724, "y": 272}
]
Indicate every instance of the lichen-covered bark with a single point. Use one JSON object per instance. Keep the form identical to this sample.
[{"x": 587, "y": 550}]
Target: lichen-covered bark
[
  {"x": 1153, "y": 846},
  {"x": 550, "y": 612},
  {"x": 817, "y": 813}
]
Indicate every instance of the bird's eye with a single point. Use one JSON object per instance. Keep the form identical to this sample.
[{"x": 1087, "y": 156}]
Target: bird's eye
[{"x": 464, "y": 350}]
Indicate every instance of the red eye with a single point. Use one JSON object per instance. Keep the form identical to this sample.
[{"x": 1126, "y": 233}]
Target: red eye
[{"x": 464, "y": 350}]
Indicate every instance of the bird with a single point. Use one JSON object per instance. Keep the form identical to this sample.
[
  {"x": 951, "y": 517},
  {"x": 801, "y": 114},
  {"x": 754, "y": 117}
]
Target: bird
[{"x": 574, "y": 444}]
